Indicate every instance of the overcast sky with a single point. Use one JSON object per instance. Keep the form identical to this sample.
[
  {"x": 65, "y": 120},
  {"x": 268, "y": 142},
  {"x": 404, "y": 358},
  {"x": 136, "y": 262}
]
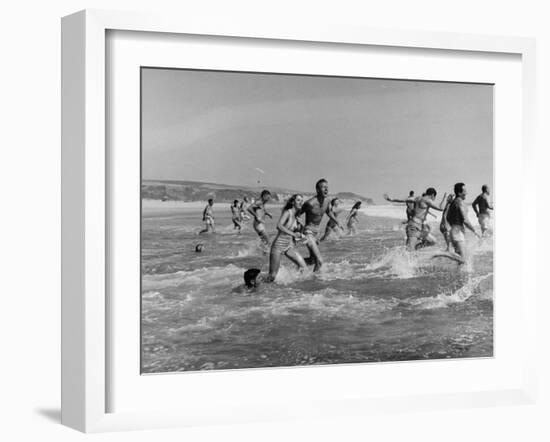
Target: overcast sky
[{"x": 366, "y": 136}]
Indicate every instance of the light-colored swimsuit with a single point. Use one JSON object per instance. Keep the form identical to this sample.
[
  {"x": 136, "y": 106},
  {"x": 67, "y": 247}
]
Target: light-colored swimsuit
[{"x": 284, "y": 242}]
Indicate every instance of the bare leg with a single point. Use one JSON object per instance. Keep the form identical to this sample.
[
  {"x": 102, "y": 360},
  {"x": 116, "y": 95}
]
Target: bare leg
[
  {"x": 460, "y": 250},
  {"x": 411, "y": 243},
  {"x": 314, "y": 255},
  {"x": 274, "y": 263},
  {"x": 326, "y": 234},
  {"x": 296, "y": 258}
]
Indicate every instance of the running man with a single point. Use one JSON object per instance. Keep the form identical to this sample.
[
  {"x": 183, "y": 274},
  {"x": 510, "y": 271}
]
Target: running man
[
  {"x": 457, "y": 217},
  {"x": 259, "y": 212},
  {"x": 414, "y": 228},
  {"x": 208, "y": 218},
  {"x": 315, "y": 208},
  {"x": 409, "y": 202},
  {"x": 444, "y": 227},
  {"x": 351, "y": 220},
  {"x": 236, "y": 215},
  {"x": 331, "y": 225},
  {"x": 481, "y": 207},
  {"x": 286, "y": 235}
]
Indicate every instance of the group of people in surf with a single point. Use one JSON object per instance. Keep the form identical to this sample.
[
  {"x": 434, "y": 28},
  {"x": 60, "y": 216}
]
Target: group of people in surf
[
  {"x": 454, "y": 219},
  {"x": 238, "y": 215},
  {"x": 291, "y": 230}
]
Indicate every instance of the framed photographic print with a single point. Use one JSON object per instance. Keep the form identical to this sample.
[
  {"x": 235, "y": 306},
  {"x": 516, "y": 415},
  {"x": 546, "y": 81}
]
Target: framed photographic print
[{"x": 262, "y": 223}]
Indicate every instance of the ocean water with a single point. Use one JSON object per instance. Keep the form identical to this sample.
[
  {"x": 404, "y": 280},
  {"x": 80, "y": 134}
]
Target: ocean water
[{"x": 371, "y": 302}]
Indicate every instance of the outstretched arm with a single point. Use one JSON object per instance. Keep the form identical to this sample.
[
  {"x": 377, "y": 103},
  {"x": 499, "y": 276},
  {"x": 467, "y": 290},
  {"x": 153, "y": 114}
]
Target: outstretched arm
[
  {"x": 392, "y": 200},
  {"x": 443, "y": 200},
  {"x": 433, "y": 206}
]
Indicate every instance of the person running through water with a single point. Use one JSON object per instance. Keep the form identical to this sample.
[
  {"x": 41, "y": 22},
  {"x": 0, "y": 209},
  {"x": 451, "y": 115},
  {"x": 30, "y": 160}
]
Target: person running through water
[
  {"x": 481, "y": 207},
  {"x": 351, "y": 220},
  {"x": 314, "y": 209},
  {"x": 415, "y": 223},
  {"x": 444, "y": 226},
  {"x": 259, "y": 212},
  {"x": 331, "y": 225},
  {"x": 208, "y": 218},
  {"x": 236, "y": 215},
  {"x": 244, "y": 208},
  {"x": 457, "y": 217},
  {"x": 409, "y": 202},
  {"x": 286, "y": 235}
]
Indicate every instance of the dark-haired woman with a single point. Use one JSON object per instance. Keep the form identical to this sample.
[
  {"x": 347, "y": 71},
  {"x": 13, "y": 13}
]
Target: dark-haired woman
[
  {"x": 351, "y": 220},
  {"x": 286, "y": 235}
]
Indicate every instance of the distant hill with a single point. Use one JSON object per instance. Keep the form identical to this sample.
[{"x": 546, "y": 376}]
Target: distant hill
[{"x": 170, "y": 190}]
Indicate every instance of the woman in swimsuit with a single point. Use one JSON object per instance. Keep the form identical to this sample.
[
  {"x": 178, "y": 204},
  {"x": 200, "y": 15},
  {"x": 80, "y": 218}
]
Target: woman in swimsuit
[
  {"x": 352, "y": 218},
  {"x": 286, "y": 236},
  {"x": 332, "y": 226}
]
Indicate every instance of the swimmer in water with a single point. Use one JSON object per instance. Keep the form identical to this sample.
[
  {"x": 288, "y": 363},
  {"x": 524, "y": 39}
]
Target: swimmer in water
[
  {"x": 259, "y": 212},
  {"x": 199, "y": 247},
  {"x": 332, "y": 227},
  {"x": 481, "y": 206},
  {"x": 457, "y": 217},
  {"x": 314, "y": 209},
  {"x": 251, "y": 278},
  {"x": 236, "y": 215},
  {"x": 351, "y": 220},
  {"x": 287, "y": 234},
  {"x": 208, "y": 218},
  {"x": 409, "y": 202}
]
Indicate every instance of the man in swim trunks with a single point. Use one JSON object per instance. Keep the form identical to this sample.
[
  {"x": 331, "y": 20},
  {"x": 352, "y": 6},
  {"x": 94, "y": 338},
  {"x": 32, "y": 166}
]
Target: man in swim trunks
[
  {"x": 236, "y": 215},
  {"x": 481, "y": 207},
  {"x": 457, "y": 217},
  {"x": 208, "y": 218},
  {"x": 414, "y": 225},
  {"x": 259, "y": 212},
  {"x": 315, "y": 208}
]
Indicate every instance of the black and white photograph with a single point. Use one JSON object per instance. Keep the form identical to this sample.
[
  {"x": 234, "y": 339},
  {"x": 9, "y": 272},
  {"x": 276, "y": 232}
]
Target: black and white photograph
[{"x": 301, "y": 220}]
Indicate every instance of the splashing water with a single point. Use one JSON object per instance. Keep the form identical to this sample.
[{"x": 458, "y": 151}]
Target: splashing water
[{"x": 371, "y": 301}]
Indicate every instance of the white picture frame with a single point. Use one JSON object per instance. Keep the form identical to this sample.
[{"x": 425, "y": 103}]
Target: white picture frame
[{"x": 85, "y": 234}]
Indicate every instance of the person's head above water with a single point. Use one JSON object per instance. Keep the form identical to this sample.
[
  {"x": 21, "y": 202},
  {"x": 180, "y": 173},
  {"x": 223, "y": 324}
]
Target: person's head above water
[
  {"x": 460, "y": 190},
  {"x": 431, "y": 192},
  {"x": 265, "y": 195},
  {"x": 294, "y": 202},
  {"x": 199, "y": 247},
  {"x": 321, "y": 187},
  {"x": 334, "y": 202},
  {"x": 485, "y": 189},
  {"x": 411, "y": 193},
  {"x": 250, "y": 278}
]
